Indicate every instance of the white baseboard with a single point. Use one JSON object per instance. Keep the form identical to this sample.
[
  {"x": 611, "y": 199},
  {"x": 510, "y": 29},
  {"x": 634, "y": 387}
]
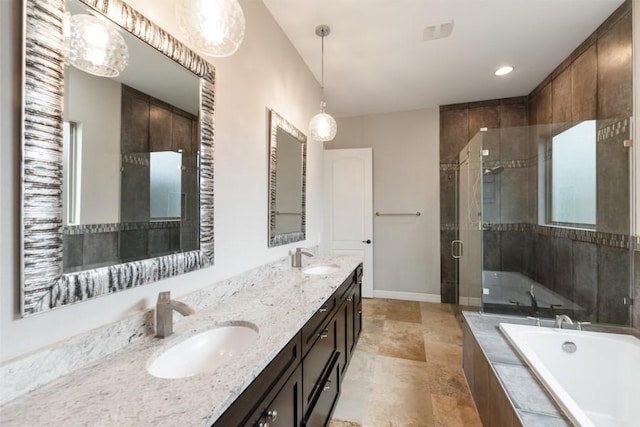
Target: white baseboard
[{"x": 407, "y": 296}]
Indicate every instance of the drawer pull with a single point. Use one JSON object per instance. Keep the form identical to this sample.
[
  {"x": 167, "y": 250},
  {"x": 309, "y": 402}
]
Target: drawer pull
[
  {"x": 360, "y": 311},
  {"x": 272, "y": 416},
  {"x": 327, "y": 385},
  {"x": 350, "y": 298},
  {"x": 323, "y": 308},
  {"x": 324, "y": 334},
  {"x": 263, "y": 424}
]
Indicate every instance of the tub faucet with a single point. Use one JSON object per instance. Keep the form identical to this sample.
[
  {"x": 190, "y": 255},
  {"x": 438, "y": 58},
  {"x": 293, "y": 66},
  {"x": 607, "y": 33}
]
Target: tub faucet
[
  {"x": 534, "y": 302},
  {"x": 296, "y": 257},
  {"x": 560, "y": 319},
  {"x": 164, "y": 313}
]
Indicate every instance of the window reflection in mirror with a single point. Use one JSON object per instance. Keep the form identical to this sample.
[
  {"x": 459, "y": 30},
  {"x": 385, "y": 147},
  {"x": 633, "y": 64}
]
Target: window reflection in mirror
[
  {"x": 166, "y": 185},
  {"x": 573, "y": 176}
]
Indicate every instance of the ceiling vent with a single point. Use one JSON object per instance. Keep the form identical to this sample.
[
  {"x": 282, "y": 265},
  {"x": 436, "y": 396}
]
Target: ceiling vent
[{"x": 437, "y": 31}]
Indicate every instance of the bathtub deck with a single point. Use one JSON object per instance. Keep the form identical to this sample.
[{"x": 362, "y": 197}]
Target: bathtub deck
[{"x": 530, "y": 401}]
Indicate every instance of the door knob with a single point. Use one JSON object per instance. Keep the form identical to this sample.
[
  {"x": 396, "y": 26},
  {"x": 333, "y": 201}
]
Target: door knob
[{"x": 368, "y": 241}]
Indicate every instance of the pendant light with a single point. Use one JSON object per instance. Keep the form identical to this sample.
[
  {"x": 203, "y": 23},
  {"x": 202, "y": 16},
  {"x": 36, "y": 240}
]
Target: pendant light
[
  {"x": 214, "y": 27},
  {"x": 322, "y": 126},
  {"x": 93, "y": 46}
]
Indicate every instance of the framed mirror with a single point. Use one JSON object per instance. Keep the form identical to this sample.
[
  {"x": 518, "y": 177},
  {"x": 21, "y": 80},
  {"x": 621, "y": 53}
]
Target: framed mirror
[
  {"x": 287, "y": 182},
  {"x": 117, "y": 173}
]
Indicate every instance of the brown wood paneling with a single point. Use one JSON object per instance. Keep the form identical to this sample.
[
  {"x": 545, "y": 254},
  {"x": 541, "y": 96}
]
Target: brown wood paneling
[
  {"x": 584, "y": 71},
  {"x": 615, "y": 72}
]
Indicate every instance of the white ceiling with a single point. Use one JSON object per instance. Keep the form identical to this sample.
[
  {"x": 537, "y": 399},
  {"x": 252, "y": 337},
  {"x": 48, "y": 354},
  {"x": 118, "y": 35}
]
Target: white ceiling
[{"x": 376, "y": 60}]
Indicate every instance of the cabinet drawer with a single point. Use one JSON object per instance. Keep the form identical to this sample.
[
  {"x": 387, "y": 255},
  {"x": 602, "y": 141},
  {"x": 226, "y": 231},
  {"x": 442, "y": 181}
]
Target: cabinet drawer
[
  {"x": 311, "y": 330},
  {"x": 320, "y": 412},
  {"x": 264, "y": 388},
  {"x": 315, "y": 363},
  {"x": 285, "y": 410}
]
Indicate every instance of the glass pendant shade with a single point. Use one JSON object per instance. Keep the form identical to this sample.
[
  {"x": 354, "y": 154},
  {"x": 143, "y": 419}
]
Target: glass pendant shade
[
  {"x": 214, "y": 27},
  {"x": 323, "y": 127},
  {"x": 94, "y": 47}
]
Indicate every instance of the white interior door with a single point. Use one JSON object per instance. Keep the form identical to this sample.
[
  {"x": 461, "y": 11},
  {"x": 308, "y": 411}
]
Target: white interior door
[{"x": 348, "y": 202}]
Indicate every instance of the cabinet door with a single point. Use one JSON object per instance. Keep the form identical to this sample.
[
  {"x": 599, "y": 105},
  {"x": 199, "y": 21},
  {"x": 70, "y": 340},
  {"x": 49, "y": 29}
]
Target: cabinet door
[
  {"x": 341, "y": 335},
  {"x": 350, "y": 317},
  {"x": 286, "y": 408}
]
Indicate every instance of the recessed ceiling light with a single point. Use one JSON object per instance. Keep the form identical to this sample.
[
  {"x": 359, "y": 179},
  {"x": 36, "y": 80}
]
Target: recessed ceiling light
[{"x": 502, "y": 71}]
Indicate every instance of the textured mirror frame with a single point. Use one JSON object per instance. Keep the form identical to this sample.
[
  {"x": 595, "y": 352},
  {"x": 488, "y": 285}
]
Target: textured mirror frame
[
  {"x": 44, "y": 286},
  {"x": 276, "y": 121}
]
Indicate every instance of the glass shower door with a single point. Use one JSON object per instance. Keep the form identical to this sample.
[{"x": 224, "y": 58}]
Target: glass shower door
[{"x": 468, "y": 249}]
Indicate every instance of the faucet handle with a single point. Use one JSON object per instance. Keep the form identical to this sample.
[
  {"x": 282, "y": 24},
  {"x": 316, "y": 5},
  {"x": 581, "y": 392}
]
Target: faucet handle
[
  {"x": 581, "y": 324},
  {"x": 537, "y": 319}
]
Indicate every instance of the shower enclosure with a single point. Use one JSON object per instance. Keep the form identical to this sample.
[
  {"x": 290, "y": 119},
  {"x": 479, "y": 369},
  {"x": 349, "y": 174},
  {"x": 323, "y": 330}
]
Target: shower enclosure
[{"x": 543, "y": 218}]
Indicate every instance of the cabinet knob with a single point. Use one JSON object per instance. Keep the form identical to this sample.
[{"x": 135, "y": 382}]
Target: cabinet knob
[
  {"x": 324, "y": 334},
  {"x": 323, "y": 308},
  {"x": 263, "y": 424},
  {"x": 327, "y": 385},
  {"x": 359, "y": 311},
  {"x": 272, "y": 416},
  {"x": 350, "y": 298}
]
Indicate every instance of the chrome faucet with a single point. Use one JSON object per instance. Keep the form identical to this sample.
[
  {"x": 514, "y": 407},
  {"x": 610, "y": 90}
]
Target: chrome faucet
[
  {"x": 296, "y": 257},
  {"x": 560, "y": 319},
  {"x": 534, "y": 302},
  {"x": 164, "y": 313}
]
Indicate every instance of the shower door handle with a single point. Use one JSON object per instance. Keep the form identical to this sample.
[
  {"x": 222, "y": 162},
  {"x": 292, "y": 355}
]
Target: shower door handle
[{"x": 460, "y": 246}]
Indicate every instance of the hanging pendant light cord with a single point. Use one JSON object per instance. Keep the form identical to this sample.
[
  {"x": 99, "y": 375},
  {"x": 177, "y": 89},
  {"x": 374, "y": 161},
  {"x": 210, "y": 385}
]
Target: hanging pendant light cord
[{"x": 322, "y": 72}]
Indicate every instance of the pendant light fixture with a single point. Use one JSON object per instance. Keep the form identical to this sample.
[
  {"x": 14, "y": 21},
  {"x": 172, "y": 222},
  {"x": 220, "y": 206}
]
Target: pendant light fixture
[
  {"x": 93, "y": 46},
  {"x": 214, "y": 27},
  {"x": 322, "y": 126}
]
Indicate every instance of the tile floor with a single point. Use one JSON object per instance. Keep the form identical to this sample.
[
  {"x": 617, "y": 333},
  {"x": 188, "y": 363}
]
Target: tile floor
[{"x": 407, "y": 369}]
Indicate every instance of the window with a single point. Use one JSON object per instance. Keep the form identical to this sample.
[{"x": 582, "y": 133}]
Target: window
[{"x": 573, "y": 176}]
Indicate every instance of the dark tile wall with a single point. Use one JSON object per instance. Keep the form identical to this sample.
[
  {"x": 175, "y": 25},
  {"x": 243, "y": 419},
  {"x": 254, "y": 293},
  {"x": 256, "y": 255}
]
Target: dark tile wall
[{"x": 594, "y": 82}]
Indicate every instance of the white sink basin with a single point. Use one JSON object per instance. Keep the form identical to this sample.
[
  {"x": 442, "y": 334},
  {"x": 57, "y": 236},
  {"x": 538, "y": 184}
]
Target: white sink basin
[
  {"x": 203, "y": 352},
  {"x": 321, "y": 269}
]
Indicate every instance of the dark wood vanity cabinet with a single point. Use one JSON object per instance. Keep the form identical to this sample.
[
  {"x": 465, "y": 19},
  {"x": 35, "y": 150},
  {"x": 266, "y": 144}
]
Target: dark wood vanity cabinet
[{"x": 301, "y": 386}]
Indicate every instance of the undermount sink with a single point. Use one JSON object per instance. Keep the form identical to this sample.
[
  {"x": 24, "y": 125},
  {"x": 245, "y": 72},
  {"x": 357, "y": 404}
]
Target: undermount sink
[
  {"x": 321, "y": 269},
  {"x": 203, "y": 352}
]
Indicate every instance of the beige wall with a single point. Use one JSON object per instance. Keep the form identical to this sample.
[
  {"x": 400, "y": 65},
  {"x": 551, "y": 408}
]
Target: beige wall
[
  {"x": 266, "y": 72},
  {"x": 405, "y": 179}
]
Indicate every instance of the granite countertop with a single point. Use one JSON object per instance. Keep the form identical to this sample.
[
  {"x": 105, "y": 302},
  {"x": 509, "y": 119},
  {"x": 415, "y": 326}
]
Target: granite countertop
[
  {"x": 533, "y": 404},
  {"x": 117, "y": 390}
]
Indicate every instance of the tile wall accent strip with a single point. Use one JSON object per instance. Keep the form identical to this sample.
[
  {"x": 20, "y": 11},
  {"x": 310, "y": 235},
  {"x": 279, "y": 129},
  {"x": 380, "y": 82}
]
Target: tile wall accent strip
[
  {"x": 445, "y": 167},
  {"x": 44, "y": 286},
  {"x": 136, "y": 159},
  {"x": 587, "y": 236},
  {"x": 618, "y": 128}
]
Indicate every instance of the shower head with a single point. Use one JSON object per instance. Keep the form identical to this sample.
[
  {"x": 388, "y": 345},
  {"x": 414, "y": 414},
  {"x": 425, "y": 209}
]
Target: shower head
[{"x": 493, "y": 171}]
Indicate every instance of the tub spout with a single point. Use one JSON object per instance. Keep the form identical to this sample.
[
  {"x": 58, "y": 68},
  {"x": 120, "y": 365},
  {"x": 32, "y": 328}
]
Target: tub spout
[{"x": 560, "y": 319}]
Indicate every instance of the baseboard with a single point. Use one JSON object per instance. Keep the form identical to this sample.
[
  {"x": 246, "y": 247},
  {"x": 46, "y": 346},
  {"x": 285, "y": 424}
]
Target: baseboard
[{"x": 407, "y": 296}]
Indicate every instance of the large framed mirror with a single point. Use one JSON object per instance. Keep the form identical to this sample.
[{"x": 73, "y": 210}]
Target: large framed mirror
[
  {"x": 287, "y": 182},
  {"x": 117, "y": 172}
]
